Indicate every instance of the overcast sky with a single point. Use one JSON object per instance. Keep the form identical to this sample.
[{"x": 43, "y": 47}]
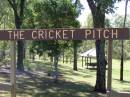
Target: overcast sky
[{"x": 120, "y": 10}]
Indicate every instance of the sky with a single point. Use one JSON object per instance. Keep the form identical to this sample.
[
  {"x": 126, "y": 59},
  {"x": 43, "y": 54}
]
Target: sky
[{"x": 120, "y": 10}]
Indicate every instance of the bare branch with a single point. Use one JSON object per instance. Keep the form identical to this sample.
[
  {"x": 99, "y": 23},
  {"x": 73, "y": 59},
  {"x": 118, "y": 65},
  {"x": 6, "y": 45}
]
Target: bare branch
[{"x": 12, "y": 4}]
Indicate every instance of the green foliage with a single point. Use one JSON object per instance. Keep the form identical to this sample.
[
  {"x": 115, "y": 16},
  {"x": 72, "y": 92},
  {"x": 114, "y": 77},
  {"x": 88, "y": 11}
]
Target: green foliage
[
  {"x": 6, "y": 15},
  {"x": 53, "y": 14},
  {"x": 3, "y": 9},
  {"x": 86, "y": 45},
  {"x": 28, "y": 21},
  {"x": 118, "y": 22},
  {"x": 106, "y": 6},
  {"x": 89, "y": 22},
  {"x": 107, "y": 23},
  {"x": 4, "y": 45}
]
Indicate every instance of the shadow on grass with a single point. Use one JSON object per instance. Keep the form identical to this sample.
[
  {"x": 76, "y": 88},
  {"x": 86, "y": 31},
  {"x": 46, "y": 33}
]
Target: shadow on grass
[
  {"x": 66, "y": 89},
  {"x": 63, "y": 69},
  {"x": 36, "y": 85},
  {"x": 45, "y": 87},
  {"x": 124, "y": 81}
]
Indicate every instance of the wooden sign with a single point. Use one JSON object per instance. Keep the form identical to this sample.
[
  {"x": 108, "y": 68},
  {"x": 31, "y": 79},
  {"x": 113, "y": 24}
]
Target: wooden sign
[{"x": 65, "y": 34}]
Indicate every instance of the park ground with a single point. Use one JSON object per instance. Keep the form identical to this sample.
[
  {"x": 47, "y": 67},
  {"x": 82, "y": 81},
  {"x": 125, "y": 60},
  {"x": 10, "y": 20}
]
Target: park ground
[{"x": 36, "y": 82}]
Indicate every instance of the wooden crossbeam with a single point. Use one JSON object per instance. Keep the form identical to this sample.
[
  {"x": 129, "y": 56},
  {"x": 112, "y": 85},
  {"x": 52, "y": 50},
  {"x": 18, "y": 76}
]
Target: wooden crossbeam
[{"x": 65, "y": 34}]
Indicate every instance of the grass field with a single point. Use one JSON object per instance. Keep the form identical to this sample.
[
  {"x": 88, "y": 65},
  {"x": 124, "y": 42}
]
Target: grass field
[{"x": 71, "y": 83}]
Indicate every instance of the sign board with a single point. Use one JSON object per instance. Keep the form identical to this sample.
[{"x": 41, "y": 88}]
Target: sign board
[{"x": 65, "y": 34}]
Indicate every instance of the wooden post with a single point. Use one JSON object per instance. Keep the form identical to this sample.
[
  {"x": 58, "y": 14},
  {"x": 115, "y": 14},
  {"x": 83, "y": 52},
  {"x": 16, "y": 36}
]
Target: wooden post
[
  {"x": 109, "y": 76},
  {"x": 13, "y": 68}
]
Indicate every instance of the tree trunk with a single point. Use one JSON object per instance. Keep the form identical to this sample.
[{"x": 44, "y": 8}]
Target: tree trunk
[
  {"x": 122, "y": 46},
  {"x": 101, "y": 67},
  {"x": 99, "y": 22},
  {"x": 75, "y": 55},
  {"x": 66, "y": 59},
  {"x": 33, "y": 56},
  {"x": 63, "y": 56},
  {"x": 56, "y": 69},
  {"x": 20, "y": 45},
  {"x": 30, "y": 55},
  {"x": 51, "y": 58},
  {"x": 3, "y": 54},
  {"x": 18, "y": 14},
  {"x": 122, "y": 61},
  {"x": 4, "y": 48},
  {"x": 20, "y": 56},
  {"x": 44, "y": 56},
  {"x": 24, "y": 50}
]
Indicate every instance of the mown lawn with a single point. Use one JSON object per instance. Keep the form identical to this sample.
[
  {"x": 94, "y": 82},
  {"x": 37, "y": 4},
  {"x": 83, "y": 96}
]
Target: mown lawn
[{"x": 36, "y": 82}]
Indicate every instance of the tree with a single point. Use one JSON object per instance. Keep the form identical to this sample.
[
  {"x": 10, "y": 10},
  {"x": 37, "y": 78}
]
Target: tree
[
  {"x": 54, "y": 14},
  {"x": 75, "y": 49},
  {"x": 122, "y": 46},
  {"x": 18, "y": 10},
  {"x": 98, "y": 10},
  {"x": 76, "y": 43},
  {"x": 117, "y": 49}
]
